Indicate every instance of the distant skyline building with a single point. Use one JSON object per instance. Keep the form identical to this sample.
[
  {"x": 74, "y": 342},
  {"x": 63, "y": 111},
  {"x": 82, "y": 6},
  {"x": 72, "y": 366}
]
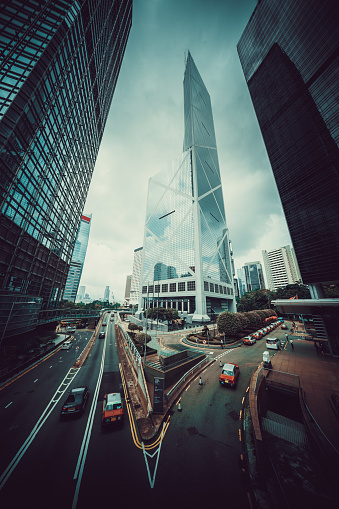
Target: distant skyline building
[
  {"x": 59, "y": 68},
  {"x": 241, "y": 282},
  {"x": 289, "y": 55},
  {"x": 250, "y": 278},
  {"x": 128, "y": 288},
  {"x": 78, "y": 259},
  {"x": 135, "y": 283},
  {"x": 106, "y": 294},
  {"x": 281, "y": 267},
  {"x": 187, "y": 255}
]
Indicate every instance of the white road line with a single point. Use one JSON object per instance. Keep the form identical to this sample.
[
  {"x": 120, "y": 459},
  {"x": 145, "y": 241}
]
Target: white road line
[
  {"x": 50, "y": 367},
  {"x": 87, "y": 435},
  {"x": 9, "y": 404},
  {"x": 40, "y": 422},
  {"x": 36, "y": 380}
]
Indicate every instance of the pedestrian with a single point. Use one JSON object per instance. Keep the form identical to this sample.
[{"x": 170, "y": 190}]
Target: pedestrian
[
  {"x": 222, "y": 344},
  {"x": 286, "y": 336},
  {"x": 292, "y": 345}
]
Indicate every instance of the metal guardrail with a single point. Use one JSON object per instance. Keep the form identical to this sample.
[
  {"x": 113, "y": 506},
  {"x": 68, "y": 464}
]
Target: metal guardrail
[{"x": 189, "y": 372}]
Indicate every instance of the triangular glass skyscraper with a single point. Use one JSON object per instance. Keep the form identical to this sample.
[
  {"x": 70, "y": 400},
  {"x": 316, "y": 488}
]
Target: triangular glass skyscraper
[{"x": 186, "y": 258}]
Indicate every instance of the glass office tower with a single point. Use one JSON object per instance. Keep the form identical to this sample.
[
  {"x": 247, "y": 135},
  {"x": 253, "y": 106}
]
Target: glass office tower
[
  {"x": 289, "y": 55},
  {"x": 78, "y": 259},
  {"x": 60, "y": 61},
  {"x": 186, "y": 255}
]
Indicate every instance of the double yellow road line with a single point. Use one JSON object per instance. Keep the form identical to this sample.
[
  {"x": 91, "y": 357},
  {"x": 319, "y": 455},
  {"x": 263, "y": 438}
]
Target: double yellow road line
[{"x": 137, "y": 443}]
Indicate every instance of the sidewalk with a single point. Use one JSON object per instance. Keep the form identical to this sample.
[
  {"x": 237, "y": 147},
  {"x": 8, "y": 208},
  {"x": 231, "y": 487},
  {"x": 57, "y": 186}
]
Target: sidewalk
[{"x": 319, "y": 378}]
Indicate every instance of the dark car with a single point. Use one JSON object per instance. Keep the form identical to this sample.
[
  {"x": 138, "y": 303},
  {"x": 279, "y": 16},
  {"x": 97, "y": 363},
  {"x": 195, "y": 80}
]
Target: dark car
[
  {"x": 76, "y": 401},
  {"x": 101, "y": 335}
]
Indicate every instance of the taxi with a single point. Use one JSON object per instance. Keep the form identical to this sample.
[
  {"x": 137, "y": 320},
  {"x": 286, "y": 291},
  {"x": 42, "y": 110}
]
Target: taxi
[
  {"x": 112, "y": 409},
  {"x": 249, "y": 340},
  {"x": 229, "y": 374}
]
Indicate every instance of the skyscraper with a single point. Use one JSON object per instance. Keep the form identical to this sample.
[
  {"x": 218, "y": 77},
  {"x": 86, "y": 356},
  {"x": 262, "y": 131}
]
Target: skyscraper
[
  {"x": 106, "y": 294},
  {"x": 135, "y": 283},
  {"x": 281, "y": 267},
  {"x": 289, "y": 55},
  {"x": 78, "y": 258},
  {"x": 128, "y": 288},
  {"x": 60, "y": 61},
  {"x": 288, "y": 52},
  {"x": 250, "y": 278},
  {"x": 186, "y": 256}
]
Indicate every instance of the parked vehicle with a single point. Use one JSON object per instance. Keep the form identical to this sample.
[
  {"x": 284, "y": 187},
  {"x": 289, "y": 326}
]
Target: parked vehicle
[
  {"x": 229, "y": 375},
  {"x": 257, "y": 335},
  {"x": 76, "y": 401},
  {"x": 284, "y": 327},
  {"x": 112, "y": 409},
  {"x": 249, "y": 340},
  {"x": 273, "y": 343},
  {"x": 66, "y": 345}
]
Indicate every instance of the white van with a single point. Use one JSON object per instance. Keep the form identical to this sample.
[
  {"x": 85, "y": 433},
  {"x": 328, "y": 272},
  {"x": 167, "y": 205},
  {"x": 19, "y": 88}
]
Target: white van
[{"x": 273, "y": 343}]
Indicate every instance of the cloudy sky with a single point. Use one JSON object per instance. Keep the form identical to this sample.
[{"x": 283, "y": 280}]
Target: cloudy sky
[{"x": 145, "y": 129}]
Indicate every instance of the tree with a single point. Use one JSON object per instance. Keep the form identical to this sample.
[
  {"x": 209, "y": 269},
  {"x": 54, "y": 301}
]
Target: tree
[
  {"x": 292, "y": 290},
  {"x": 229, "y": 323},
  {"x": 243, "y": 319},
  {"x": 141, "y": 338}
]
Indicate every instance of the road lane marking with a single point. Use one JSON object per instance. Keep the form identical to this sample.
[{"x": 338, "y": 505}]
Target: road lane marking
[
  {"x": 87, "y": 435},
  {"x": 9, "y": 404},
  {"x": 28, "y": 370},
  {"x": 40, "y": 422},
  {"x": 36, "y": 380},
  {"x": 50, "y": 367}
]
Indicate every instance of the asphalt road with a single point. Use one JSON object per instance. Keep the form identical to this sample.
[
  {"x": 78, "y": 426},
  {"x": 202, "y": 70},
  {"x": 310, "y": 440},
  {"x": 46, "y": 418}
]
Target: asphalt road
[{"x": 54, "y": 463}]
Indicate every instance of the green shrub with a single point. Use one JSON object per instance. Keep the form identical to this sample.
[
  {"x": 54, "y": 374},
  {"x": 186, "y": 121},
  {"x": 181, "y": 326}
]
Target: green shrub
[{"x": 229, "y": 323}]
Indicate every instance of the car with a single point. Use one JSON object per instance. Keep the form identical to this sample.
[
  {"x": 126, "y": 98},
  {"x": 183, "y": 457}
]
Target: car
[
  {"x": 76, "y": 401},
  {"x": 257, "y": 335},
  {"x": 66, "y": 345},
  {"x": 112, "y": 409},
  {"x": 273, "y": 343},
  {"x": 104, "y": 324},
  {"x": 101, "y": 335},
  {"x": 284, "y": 327},
  {"x": 249, "y": 340},
  {"x": 229, "y": 374}
]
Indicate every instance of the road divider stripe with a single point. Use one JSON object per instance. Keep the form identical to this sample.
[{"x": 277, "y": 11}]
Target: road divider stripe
[{"x": 40, "y": 422}]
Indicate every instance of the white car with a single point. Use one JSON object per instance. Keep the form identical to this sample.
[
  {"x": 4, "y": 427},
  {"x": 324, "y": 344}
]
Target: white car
[
  {"x": 66, "y": 345},
  {"x": 273, "y": 343}
]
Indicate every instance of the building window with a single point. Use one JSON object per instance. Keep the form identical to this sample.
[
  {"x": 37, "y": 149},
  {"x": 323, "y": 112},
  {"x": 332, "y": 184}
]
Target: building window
[
  {"x": 220, "y": 289},
  {"x": 144, "y": 289},
  {"x": 216, "y": 288},
  {"x": 181, "y": 287},
  {"x": 151, "y": 289},
  {"x": 173, "y": 287},
  {"x": 157, "y": 288},
  {"x": 206, "y": 286},
  {"x": 211, "y": 287},
  {"x": 225, "y": 290},
  {"x": 190, "y": 286},
  {"x": 164, "y": 288}
]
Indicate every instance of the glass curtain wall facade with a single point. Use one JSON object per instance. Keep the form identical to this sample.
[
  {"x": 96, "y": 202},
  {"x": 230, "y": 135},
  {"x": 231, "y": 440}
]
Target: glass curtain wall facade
[
  {"x": 78, "y": 259},
  {"x": 289, "y": 55},
  {"x": 254, "y": 276},
  {"x": 60, "y": 61},
  {"x": 186, "y": 255},
  {"x": 135, "y": 283}
]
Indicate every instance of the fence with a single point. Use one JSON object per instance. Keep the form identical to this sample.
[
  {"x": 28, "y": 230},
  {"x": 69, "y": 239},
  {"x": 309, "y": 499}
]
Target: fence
[{"x": 135, "y": 361}]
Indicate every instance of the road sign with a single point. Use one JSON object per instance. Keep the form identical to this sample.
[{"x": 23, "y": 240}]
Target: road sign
[
  {"x": 77, "y": 348},
  {"x": 204, "y": 341}
]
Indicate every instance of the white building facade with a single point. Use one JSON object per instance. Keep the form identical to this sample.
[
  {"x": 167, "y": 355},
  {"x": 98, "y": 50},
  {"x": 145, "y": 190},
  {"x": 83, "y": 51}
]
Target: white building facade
[
  {"x": 187, "y": 261},
  {"x": 281, "y": 267},
  {"x": 135, "y": 283}
]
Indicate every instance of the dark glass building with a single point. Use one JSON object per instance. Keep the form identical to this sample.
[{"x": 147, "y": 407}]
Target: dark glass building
[
  {"x": 289, "y": 55},
  {"x": 60, "y": 61}
]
